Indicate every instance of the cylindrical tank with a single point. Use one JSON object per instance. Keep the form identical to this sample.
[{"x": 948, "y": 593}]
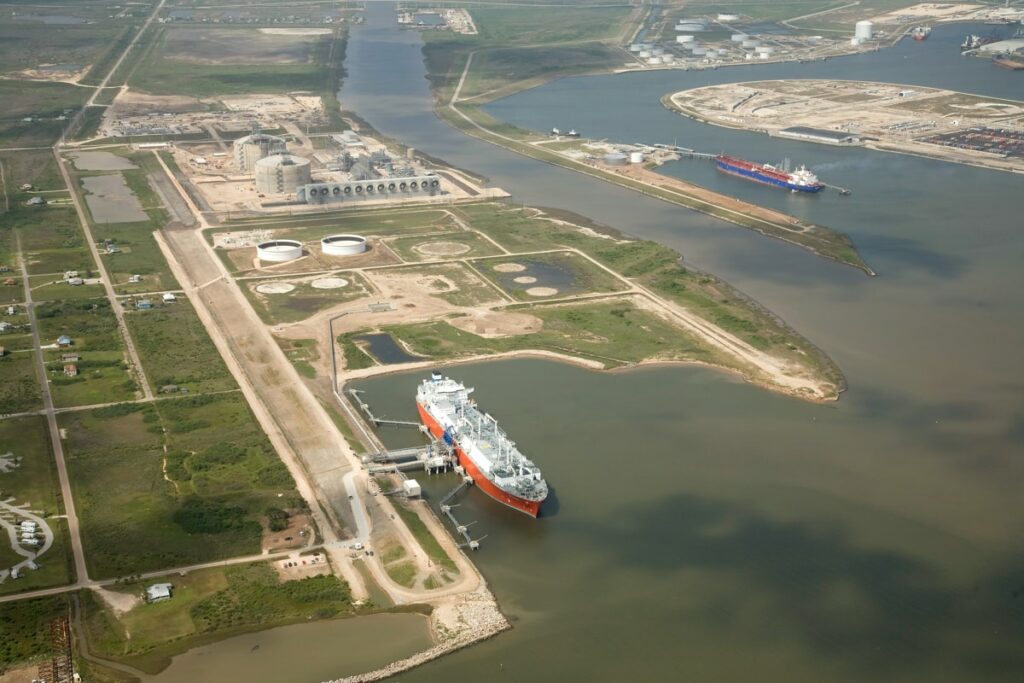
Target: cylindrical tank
[
  {"x": 691, "y": 25},
  {"x": 764, "y": 49},
  {"x": 668, "y": 59},
  {"x": 636, "y": 157},
  {"x": 635, "y": 47},
  {"x": 722, "y": 52},
  {"x": 684, "y": 38},
  {"x": 279, "y": 251},
  {"x": 750, "y": 42},
  {"x": 281, "y": 174},
  {"x": 738, "y": 37},
  {"x": 728, "y": 17},
  {"x": 615, "y": 159},
  {"x": 249, "y": 149},
  {"x": 700, "y": 51},
  {"x": 864, "y": 30},
  {"x": 658, "y": 51},
  {"x": 343, "y": 245},
  {"x": 654, "y": 60},
  {"x": 644, "y": 54}
]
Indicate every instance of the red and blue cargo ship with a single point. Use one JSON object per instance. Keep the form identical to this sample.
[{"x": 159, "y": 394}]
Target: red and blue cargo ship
[{"x": 800, "y": 180}]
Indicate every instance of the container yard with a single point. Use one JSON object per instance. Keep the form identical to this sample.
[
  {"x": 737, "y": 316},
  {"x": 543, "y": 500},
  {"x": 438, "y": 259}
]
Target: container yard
[{"x": 945, "y": 124}]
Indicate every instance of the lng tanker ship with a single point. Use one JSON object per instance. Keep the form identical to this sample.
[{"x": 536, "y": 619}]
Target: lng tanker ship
[
  {"x": 800, "y": 180},
  {"x": 483, "y": 449}
]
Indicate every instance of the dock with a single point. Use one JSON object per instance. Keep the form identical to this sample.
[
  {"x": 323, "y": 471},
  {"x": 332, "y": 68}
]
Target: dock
[{"x": 379, "y": 421}]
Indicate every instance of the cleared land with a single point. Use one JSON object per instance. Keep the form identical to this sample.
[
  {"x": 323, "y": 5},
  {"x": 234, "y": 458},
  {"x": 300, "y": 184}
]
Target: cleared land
[
  {"x": 881, "y": 115},
  {"x": 172, "y": 483}
]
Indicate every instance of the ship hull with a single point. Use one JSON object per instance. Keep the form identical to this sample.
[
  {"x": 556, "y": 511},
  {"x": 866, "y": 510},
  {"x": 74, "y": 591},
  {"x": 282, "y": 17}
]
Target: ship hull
[
  {"x": 529, "y": 507},
  {"x": 760, "y": 177}
]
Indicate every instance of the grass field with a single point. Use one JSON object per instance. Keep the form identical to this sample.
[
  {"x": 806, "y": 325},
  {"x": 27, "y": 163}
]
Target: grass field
[
  {"x": 517, "y": 46},
  {"x": 175, "y": 349},
  {"x": 19, "y": 388},
  {"x": 43, "y": 103},
  {"x": 423, "y": 536},
  {"x": 51, "y": 239},
  {"x": 173, "y": 483},
  {"x": 454, "y": 282},
  {"x": 426, "y": 248},
  {"x": 210, "y": 603},
  {"x": 236, "y": 64},
  {"x": 379, "y": 223},
  {"x": 26, "y": 628},
  {"x": 304, "y": 301},
  {"x": 103, "y": 371},
  {"x": 34, "y": 482}
]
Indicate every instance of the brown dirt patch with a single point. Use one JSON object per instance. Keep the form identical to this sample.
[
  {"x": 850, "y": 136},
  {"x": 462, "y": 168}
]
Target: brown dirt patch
[
  {"x": 441, "y": 248},
  {"x": 291, "y": 537},
  {"x": 542, "y": 291},
  {"x": 525, "y": 280},
  {"x": 509, "y": 268},
  {"x": 493, "y": 324}
]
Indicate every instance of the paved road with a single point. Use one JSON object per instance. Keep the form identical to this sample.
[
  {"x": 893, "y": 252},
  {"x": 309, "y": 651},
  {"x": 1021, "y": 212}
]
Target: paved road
[{"x": 81, "y": 572}]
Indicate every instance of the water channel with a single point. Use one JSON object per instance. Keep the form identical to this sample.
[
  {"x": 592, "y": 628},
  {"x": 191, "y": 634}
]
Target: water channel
[{"x": 705, "y": 530}]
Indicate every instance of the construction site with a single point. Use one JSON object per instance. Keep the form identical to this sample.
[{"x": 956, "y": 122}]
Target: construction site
[{"x": 945, "y": 124}]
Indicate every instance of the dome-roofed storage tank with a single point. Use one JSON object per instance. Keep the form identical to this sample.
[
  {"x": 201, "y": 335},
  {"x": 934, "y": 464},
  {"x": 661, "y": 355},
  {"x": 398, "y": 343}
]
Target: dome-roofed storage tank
[
  {"x": 281, "y": 174},
  {"x": 864, "y": 30},
  {"x": 615, "y": 159},
  {"x": 251, "y": 148}
]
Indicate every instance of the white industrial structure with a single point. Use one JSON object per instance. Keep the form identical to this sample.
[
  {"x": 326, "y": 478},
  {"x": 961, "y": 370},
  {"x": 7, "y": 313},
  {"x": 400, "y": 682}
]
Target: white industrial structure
[
  {"x": 281, "y": 174},
  {"x": 251, "y": 148},
  {"x": 411, "y": 487},
  {"x": 863, "y": 30},
  {"x": 343, "y": 245},
  {"x": 382, "y": 188},
  {"x": 279, "y": 251}
]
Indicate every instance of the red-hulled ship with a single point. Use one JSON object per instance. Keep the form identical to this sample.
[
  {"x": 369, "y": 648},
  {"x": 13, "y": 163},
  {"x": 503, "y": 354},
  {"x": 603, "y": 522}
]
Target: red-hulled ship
[{"x": 483, "y": 449}]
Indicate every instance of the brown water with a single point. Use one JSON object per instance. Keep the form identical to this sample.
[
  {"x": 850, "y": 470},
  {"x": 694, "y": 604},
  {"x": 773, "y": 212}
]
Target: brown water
[
  {"x": 318, "y": 651},
  {"x": 701, "y": 529}
]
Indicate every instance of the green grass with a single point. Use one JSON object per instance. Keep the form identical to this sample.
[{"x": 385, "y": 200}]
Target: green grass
[
  {"x": 353, "y": 356},
  {"x": 207, "y": 605},
  {"x": 377, "y": 223},
  {"x": 26, "y": 628},
  {"x": 426, "y": 539},
  {"x": 51, "y": 238},
  {"x": 175, "y": 349},
  {"x": 614, "y": 332},
  {"x": 34, "y": 482},
  {"x": 405, "y": 247},
  {"x": 402, "y": 573},
  {"x": 303, "y": 301},
  {"x": 44, "y": 103},
  {"x": 161, "y": 74},
  {"x": 302, "y": 353},
  {"x": 25, "y": 45},
  {"x": 103, "y": 371},
  {"x": 221, "y": 475},
  {"x": 19, "y": 388}
]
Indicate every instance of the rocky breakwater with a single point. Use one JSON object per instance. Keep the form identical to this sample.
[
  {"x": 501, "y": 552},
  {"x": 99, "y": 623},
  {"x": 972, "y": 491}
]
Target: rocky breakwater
[{"x": 456, "y": 622}]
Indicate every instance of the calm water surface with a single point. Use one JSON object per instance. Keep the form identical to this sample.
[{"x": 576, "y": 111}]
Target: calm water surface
[{"x": 702, "y": 529}]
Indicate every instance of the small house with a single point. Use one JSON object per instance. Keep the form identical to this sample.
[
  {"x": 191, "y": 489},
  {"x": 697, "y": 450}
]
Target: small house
[
  {"x": 169, "y": 389},
  {"x": 10, "y": 282},
  {"x": 69, "y": 358},
  {"x": 71, "y": 370},
  {"x": 36, "y": 201},
  {"x": 64, "y": 341},
  {"x": 68, "y": 274},
  {"x": 132, "y": 279},
  {"x": 144, "y": 304},
  {"x": 158, "y": 592},
  {"x": 26, "y": 187},
  {"x": 169, "y": 298},
  {"x": 11, "y": 310},
  {"x": 75, "y": 281},
  {"x": 5, "y": 326},
  {"x": 3, "y": 351}
]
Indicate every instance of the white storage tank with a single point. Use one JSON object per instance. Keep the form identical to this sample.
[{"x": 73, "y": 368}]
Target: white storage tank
[
  {"x": 615, "y": 159},
  {"x": 281, "y": 174},
  {"x": 722, "y": 52},
  {"x": 764, "y": 49},
  {"x": 750, "y": 42},
  {"x": 636, "y": 157},
  {"x": 691, "y": 25},
  {"x": 658, "y": 51},
  {"x": 668, "y": 59},
  {"x": 654, "y": 60},
  {"x": 249, "y": 149},
  {"x": 738, "y": 37},
  {"x": 685, "y": 38},
  {"x": 728, "y": 17},
  {"x": 700, "y": 51},
  {"x": 279, "y": 251},
  {"x": 863, "y": 30},
  {"x": 343, "y": 245},
  {"x": 635, "y": 47},
  {"x": 644, "y": 54}
]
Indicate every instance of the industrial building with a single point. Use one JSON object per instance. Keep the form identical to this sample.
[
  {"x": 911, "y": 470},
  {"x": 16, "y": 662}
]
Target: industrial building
[
  {"x": 281, "y": 174},
  {"x": 830, "y": 137},
  {"x": 382, "y": 188},
  {"x": 251, "y": 148}
]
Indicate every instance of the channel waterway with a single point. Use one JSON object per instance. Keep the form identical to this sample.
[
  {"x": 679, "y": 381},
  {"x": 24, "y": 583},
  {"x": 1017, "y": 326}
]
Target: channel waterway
[{"x": 702, "y": 529}]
